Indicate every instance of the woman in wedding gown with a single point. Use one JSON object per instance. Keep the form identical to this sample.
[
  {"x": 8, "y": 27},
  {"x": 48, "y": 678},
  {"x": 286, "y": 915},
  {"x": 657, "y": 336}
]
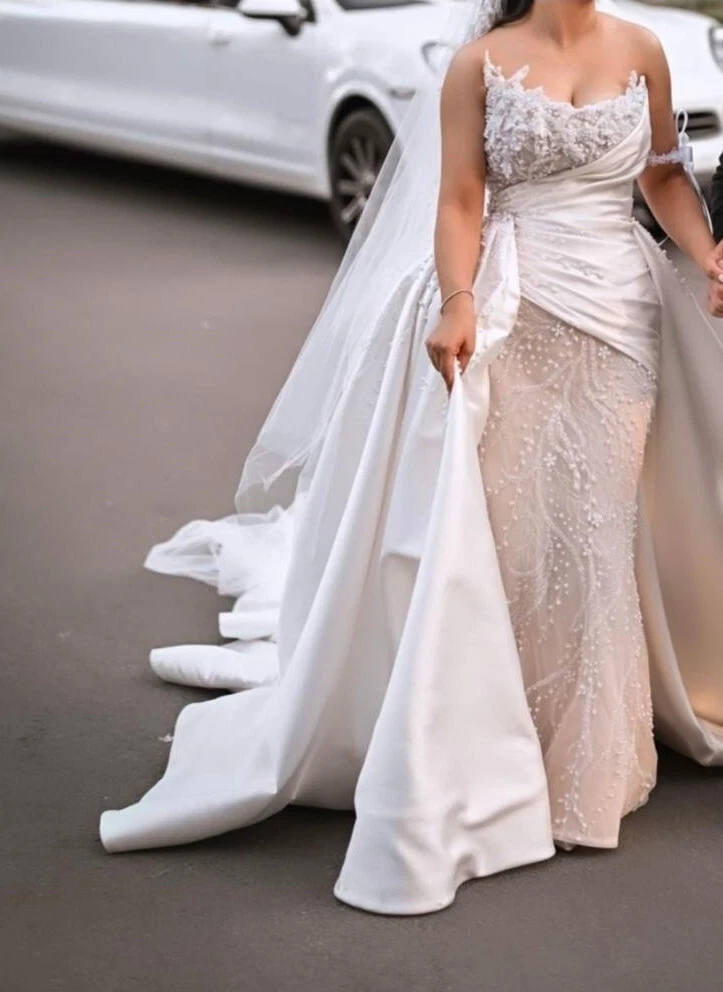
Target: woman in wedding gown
[{"x": 487, "y": 584}]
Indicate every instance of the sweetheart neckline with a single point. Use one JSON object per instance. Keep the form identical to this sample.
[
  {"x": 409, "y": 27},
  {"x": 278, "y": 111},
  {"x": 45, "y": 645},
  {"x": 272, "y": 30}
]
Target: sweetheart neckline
[{"x": 636, "y": 81}]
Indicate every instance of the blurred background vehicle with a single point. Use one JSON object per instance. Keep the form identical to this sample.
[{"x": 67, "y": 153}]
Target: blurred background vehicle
[{"x": 298, "y": 95}]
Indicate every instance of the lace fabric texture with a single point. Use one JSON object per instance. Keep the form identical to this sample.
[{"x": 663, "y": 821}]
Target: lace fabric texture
[
  {"x": 561, "y": 459},
  {"x": 676, "y": 156},
  {"x": 528, "y": 135}
]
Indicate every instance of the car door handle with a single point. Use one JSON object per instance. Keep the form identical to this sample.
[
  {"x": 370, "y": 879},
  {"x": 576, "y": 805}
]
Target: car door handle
[{"x": 219, "y": 37}]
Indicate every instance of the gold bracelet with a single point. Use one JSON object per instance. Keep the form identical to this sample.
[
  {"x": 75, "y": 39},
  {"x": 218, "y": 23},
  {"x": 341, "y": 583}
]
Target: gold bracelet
[{"x": 457, "y": 292}]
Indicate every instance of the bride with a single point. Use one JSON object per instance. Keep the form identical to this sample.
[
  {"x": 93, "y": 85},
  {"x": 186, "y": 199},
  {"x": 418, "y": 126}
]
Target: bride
[{"x": 477, "y": 583}]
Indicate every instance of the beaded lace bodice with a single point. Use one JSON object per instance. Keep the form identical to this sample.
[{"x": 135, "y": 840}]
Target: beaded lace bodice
[{"x": 528, "y": 135}]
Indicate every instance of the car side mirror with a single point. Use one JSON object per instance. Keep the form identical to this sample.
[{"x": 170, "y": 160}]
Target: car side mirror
[{"x": 290, "y": 13}]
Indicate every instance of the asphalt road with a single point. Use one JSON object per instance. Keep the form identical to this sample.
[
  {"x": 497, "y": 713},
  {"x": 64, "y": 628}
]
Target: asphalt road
[{"x": 147, "y": 320}]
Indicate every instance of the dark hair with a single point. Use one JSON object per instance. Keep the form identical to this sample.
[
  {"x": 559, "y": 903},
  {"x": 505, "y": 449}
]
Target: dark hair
[{"x": 514, "y": 10}]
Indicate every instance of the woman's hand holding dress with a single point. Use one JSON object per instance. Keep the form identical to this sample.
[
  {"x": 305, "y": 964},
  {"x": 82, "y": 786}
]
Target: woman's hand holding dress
[
  {"x": 713, "y": 268},
  {"x": 453, "y": 339}
]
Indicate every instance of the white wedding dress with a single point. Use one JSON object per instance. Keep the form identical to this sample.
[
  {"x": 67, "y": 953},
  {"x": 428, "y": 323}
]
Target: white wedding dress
[{"x": 445, "y": 630}]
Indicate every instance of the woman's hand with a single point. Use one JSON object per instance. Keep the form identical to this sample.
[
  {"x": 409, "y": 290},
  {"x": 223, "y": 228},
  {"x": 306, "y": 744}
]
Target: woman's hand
[
  {"x": 453, "y": 339},
  {"x": 713, "y": 268}
]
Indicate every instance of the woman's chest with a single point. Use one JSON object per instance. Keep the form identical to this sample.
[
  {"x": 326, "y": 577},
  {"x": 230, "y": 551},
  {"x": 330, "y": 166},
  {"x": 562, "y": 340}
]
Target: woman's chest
[{"x": 530, "y": 136}]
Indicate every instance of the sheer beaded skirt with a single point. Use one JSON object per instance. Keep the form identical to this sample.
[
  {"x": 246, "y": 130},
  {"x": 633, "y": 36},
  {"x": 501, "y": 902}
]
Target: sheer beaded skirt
[{"x": 561, "y": 460}]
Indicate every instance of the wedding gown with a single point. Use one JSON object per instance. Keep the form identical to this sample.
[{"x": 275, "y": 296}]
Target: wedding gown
[{"x": 445, "y": 631}]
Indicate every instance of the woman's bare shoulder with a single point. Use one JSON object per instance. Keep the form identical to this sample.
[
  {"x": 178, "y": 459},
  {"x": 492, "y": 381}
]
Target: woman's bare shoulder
[
  {"x": 468, "y": 62},
  {"x": 503, "y": 44},
  {"x": 640, "y": 48},
  {"x": 639, "y": 40}
]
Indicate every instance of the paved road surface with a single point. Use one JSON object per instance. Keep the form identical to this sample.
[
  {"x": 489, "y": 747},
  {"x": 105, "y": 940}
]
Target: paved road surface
[{"x": 147, "y": 321}]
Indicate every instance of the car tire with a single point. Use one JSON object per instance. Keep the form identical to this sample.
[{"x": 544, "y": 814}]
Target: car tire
[{"x": 358, "y": 147}]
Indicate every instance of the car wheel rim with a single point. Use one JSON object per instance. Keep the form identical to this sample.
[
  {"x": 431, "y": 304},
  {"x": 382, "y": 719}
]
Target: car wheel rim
[{"x": 358, "y": 166}]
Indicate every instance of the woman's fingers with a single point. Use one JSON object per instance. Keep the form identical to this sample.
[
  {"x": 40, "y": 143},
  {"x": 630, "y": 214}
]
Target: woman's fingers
[
  {"x": 434, "y": 352},
  {"x": 715, "y": 300},
  {"x": 463, "y": 358},
  {"x": 444, "y": 358},
  {"x": 440, "y": 355},
  {"x": 447, "y": 368}
]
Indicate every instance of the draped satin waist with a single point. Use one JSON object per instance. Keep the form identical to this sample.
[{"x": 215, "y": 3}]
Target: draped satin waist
[{"x": 579, "y": 257}]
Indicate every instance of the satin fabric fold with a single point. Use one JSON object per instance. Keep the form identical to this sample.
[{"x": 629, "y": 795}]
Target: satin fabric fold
[
  {"x": 395, "y": 684},
  {"x": 400, "y": 669},
  {"x": 680, "y": 554}
]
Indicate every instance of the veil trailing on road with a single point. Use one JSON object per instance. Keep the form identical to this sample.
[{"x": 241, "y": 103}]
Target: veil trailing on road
[{"x": 391, "y": 238}]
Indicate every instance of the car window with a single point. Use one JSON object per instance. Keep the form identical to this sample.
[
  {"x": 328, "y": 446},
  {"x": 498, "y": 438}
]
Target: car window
[{"x": 374, "y": 4}]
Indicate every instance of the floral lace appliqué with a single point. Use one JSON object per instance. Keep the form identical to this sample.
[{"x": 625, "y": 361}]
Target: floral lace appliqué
[{"x": 528, "y": 135}]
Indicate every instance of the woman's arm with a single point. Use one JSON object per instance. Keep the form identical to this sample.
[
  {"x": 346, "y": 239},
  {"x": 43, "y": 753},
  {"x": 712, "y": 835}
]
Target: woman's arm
[
  {"x": 671, "y": 198},
  {"x": 460, "y": 210},
  {"x": 717, "y": 201}
]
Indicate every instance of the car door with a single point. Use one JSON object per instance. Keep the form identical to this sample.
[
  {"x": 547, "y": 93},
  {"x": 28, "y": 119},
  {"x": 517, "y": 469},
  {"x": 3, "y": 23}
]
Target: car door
[
  {"x": 268, "y": 88},
  {"x": 126, "y": 72}
]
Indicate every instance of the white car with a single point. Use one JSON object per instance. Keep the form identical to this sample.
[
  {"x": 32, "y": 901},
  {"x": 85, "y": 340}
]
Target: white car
[{"x": 301, "y": 95}]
